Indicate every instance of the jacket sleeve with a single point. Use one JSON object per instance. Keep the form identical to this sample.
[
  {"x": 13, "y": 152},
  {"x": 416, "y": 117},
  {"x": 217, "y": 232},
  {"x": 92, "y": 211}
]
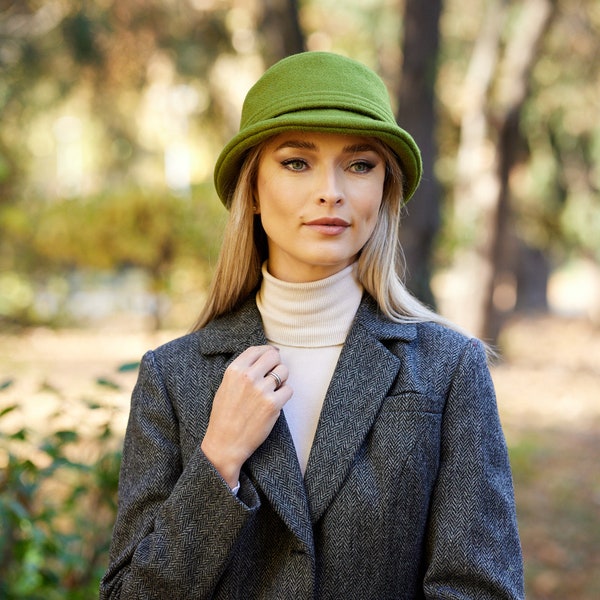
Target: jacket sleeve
[
  {"x": 176, "y": 525},
  {"x": 473, "y": 543}
]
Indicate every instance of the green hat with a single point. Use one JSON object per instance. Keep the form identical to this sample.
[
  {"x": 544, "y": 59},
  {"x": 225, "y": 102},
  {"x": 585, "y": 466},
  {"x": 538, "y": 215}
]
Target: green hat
[{"x": 317, "y": 91}]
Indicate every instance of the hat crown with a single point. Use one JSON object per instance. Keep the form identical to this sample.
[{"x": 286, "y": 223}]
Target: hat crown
[{"x": 316, "y": 80}]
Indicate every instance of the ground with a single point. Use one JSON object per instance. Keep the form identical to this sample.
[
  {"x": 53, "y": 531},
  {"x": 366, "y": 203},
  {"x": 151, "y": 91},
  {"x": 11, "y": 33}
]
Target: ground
[{"x": 548, "y": 386}]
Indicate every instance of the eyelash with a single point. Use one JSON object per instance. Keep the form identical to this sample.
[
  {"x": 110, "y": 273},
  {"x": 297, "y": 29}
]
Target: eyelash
[
  {"x": 290, "y": 161},
  {"x": 368, "y": 166}
]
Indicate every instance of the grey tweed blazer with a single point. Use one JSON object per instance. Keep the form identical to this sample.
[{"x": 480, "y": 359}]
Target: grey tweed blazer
[{"x": 407, "y": 493}]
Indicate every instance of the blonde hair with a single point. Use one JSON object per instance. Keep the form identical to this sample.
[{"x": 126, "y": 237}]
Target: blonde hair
[{"x": 380, "y": 264}]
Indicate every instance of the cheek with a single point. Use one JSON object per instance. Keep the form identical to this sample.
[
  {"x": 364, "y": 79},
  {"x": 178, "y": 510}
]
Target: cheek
[
  {"x": 370, "y": 219},
  {"x": 264, "y": 197},
  {"x": 371, "y": 211},
  {"x": 368, "y": 230},
  {"x": 273, "y": 193},
  {"x": 274, "y": 217}
]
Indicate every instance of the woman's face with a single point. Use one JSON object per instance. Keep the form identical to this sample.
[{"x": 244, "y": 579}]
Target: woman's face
[{"x": 318, "y": 195}]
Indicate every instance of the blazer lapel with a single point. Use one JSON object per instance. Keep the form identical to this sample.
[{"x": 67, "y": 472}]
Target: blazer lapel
[
  {"x": 365, "y": 372},
  {"x": 275, "y": 468},
  {"x": 274, "y": 465}
]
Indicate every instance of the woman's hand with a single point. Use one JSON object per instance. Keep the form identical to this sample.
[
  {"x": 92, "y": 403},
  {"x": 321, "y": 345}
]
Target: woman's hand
[{"x": 245, "y": 408}]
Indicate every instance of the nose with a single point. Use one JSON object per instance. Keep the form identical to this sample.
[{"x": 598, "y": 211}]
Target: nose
[{"x": 331, "y": 189}]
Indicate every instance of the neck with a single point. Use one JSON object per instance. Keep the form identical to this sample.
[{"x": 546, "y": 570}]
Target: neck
[{"x": 311, "y": 314}]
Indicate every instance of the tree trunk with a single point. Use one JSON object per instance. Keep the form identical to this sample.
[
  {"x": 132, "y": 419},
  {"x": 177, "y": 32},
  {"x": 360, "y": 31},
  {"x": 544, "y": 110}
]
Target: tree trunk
[
  {"x": 281, "y": 31},
  {"x": 532, "y": 275},
  {"x": 416, "y": 112},
  {"x": 474, "y": 182},
  {"x": 520, "y": 56},
  {"x": 488, "y": 151}
]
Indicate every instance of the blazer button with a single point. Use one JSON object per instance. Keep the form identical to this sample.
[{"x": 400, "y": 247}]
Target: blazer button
[{"x": 297, "y": 552}]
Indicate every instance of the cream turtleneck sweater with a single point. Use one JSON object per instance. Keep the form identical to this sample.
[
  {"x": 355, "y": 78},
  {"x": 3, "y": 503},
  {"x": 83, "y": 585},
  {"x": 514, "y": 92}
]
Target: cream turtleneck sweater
[{"x": 309, "y": 323}]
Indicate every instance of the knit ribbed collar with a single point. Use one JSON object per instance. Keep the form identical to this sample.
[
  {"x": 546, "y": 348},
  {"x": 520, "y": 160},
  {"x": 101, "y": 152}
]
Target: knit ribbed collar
[{"x": 311, "y": 315}]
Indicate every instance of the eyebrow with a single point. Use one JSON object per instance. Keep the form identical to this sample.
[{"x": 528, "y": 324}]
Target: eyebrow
[
  {"x": 303, "y": 145},
  {"x": 366, "y": 147}
]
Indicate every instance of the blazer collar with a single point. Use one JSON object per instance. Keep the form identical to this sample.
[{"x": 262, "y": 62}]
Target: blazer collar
[
  {"x": 236, "y": 331},
  {"x": 233, "y": 332}
]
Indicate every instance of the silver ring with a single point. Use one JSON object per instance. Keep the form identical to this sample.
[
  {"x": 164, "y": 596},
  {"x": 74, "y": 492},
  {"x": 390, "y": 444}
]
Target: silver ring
[{"x": 277, "y": 379}]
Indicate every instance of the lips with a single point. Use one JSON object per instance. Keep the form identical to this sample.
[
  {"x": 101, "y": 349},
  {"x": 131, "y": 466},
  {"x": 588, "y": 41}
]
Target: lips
[
  {"x": 328, "y": 225},
  {"x": 331, "y": 221}
]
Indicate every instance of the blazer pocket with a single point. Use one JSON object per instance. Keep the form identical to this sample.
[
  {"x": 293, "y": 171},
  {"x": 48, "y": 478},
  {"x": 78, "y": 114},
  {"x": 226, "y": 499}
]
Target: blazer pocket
[
  {"x": 407, "y": 428},
  {"x": 414, "y": 402},
  {"x": 398, "y": 460}
]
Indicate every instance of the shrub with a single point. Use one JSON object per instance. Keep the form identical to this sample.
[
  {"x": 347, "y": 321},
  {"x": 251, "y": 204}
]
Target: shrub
[{"x": 58, "y": 494}]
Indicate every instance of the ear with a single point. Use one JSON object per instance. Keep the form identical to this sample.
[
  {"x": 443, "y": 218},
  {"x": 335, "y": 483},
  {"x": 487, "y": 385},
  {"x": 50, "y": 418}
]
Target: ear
[{"x": 255, "y": 206}]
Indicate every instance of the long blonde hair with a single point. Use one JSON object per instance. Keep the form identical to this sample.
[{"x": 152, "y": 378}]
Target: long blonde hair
[{"x": 380, "y": 264}]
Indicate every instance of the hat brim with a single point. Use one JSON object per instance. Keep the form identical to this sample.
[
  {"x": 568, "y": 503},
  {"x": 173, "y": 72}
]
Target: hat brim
[{"x": 327, "y": 120}]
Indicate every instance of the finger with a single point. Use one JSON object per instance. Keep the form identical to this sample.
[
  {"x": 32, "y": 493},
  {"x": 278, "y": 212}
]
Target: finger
[
  {"x": 265, "y": 362},
  {"x": 277, "y": 376},
  {"x": 255, "y": 361},
  {"x": 251, "y": 354}
]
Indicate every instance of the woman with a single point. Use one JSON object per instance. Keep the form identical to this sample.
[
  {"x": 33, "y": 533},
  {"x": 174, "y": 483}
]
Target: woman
[{"x": 320, "y": 434}]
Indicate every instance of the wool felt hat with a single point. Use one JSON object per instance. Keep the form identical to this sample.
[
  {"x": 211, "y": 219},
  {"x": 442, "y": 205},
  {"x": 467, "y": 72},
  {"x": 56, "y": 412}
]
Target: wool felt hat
[{"x": 322, "y": 92}]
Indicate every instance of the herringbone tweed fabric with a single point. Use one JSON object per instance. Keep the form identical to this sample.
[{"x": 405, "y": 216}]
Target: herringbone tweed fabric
[{"x": 407, "y": 492}]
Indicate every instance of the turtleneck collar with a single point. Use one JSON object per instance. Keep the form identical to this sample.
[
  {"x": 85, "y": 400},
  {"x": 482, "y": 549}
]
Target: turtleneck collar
[{"x": 313, "y": 314}]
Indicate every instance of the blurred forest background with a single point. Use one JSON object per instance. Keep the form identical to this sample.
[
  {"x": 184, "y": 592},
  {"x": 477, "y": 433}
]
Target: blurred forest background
[{"x": 112, "y": 115}]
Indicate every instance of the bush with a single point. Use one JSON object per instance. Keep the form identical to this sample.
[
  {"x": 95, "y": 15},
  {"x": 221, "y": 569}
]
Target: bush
[
  {"x": 56, "y": 510},
  {"x": 153, "y": 232}
]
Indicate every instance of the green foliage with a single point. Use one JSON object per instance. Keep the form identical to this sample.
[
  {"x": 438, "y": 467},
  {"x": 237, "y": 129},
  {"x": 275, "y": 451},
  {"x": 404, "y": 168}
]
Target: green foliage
[
  {"x": 558, "y": 200},
  {"x": 100, "y": 51},
  {"x": 154, "y": 232},
  {"x": 56, "y": 510},
  {"x": 137, "y": 228},
  {"x": 554, "y": 185}
]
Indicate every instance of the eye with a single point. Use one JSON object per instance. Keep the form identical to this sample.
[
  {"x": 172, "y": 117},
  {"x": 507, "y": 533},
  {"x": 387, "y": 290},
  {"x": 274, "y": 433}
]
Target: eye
[
  {"x": 295, "y": 164},
  {"x": 362, "y": 166}
]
